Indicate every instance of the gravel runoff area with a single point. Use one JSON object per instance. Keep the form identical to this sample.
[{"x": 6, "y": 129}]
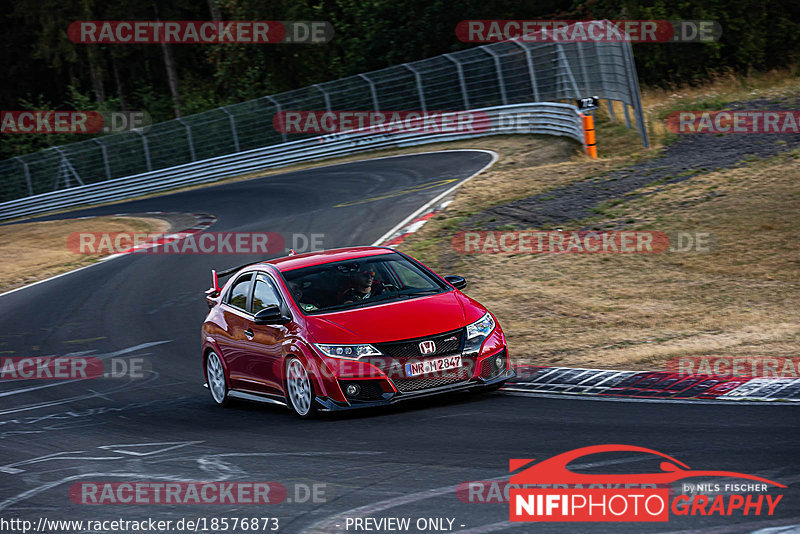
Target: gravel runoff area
[{"x": 690, "y": 155}]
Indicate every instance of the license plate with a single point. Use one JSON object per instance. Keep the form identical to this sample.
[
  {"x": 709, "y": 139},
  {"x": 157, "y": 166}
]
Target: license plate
[{"x": 433, "y": 365}]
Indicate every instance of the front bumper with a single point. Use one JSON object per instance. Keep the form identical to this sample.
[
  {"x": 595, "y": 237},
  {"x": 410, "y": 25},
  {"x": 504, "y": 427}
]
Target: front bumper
[{"x": 326, "y": 404}]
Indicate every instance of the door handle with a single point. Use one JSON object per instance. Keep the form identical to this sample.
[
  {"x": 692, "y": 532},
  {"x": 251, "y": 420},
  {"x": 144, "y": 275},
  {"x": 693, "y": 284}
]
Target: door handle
[{"x": 249, "y": 334}]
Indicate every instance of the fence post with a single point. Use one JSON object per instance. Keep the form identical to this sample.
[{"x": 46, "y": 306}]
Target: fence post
[
  {"x": 278, "y": 107},
  {"x": 604, "y": 81},
  {"x": 325, "y": 96},
  {"x": 419, "y": 86},
  {"x": 627, "y": 115},
  {"x": 371, "y": 90},
  {"x": 636, "y": 97},
  {"x": 67, "y": 168},
  {"x": 563, "y": 59},
  {"x": 27, "y": 174},
  {"x": 500, "y": 81},
  {"x": 146, "y": 150},
  {"x": 531, "y": 72},
  {"x": 582, "y": 60},
  {"x": 105, "y": 157},
  {"x": 189, "y": 138},
  {"x": 233, "y": 128},
  {"x": 461, "y": 80}
]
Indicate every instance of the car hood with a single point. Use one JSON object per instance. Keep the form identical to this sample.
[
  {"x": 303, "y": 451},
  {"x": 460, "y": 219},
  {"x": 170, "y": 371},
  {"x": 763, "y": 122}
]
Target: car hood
[{"x": 406, "y": 319}]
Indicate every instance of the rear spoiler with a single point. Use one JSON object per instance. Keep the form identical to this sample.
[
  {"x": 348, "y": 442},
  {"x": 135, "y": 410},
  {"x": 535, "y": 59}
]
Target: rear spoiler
[{"x": 213, "y": 291}]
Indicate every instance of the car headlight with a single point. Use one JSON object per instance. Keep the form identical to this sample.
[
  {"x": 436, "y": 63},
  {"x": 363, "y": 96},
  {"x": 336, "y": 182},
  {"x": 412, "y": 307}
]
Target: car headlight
[
  {"x": 347, "y": 352},
  {"x": 478, "y": 331},
  {"x": 482, "y": 327}
]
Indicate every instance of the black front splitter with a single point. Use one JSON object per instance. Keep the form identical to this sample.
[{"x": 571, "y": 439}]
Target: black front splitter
[{"x": 326, "y": 404}]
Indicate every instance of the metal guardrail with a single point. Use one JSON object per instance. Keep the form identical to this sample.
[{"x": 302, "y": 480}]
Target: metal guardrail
[{"x": 531, "y": 118}]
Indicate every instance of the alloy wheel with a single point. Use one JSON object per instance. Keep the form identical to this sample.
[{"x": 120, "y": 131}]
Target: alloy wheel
[
  {"x": 216, "y": 379},
  {"x": 300, "y": 391}
]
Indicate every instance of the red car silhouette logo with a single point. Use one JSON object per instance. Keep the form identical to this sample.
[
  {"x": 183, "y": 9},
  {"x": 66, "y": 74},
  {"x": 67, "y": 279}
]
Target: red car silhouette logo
[
  {"x": 427, "y": 347},
  {"x": 554, "y": 470}
]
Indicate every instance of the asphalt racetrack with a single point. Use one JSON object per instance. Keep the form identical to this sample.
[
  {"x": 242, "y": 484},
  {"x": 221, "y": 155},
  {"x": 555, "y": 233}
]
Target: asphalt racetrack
[{"x": 405, "y": 462}]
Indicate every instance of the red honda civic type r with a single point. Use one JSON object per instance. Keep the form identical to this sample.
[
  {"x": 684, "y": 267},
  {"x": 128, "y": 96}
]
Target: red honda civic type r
[{"x": 347, "y": 328}]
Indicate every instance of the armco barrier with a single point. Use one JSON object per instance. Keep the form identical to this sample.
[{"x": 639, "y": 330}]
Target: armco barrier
[{"x": 532, "y": 118}]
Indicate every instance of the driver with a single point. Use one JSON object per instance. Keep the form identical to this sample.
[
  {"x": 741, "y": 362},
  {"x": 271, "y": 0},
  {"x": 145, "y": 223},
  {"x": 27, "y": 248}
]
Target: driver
[{"x": 362, "y": 289}]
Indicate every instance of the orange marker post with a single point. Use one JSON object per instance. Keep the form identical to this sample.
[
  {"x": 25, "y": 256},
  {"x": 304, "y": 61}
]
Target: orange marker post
[{"x": 589, "y": 137}]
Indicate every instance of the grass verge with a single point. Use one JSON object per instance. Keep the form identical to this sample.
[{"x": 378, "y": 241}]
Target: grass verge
[
  {"x": 38, "y": 250},
  {"x": 638, "y": 311}
]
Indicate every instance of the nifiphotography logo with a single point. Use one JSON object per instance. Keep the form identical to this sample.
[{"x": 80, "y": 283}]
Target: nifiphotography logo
[{"x": 549, "y": 491}]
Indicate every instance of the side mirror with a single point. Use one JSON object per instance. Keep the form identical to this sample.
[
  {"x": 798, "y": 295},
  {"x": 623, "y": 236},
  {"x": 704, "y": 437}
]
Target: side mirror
[
  {"x": 271, "y": 315},
  {"x": 457, "y": 281}
]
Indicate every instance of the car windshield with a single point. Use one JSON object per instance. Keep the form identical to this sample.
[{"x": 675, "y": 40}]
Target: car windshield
[{"x": 360, "y": 282}]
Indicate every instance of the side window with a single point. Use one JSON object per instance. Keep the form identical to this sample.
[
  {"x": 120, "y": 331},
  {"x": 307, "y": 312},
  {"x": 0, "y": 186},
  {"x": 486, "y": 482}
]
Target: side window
[
  {"x": 238, "y": 294},
  {"x": 264, "y": 294}
]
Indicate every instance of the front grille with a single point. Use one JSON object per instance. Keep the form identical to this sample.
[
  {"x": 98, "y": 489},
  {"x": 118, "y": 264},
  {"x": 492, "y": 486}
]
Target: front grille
[
  {"x": 437, "y": 379},
  {"x": 398, "y": 353},
  {"x": 447, "y": 343},
  {"x": 418, "y": 384}
]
